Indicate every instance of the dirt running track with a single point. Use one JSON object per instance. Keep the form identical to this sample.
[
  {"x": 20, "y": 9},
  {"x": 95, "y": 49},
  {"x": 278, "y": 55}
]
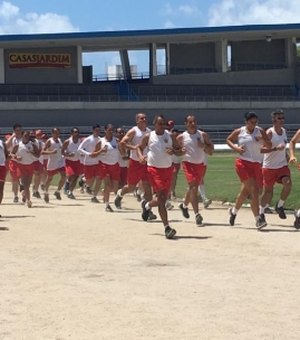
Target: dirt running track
[{"x": 70, "y": 270}]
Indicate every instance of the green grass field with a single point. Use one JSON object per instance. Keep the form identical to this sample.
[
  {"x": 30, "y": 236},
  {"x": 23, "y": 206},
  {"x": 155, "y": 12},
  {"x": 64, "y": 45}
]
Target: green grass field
[{"x": 222, "y": 183}]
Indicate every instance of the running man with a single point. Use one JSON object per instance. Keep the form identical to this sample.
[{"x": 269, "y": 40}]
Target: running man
[
  {"x": 25, "y": 153},
  {"x": 247, "y": 142},
  {"x": 73, "y": 164},
  {"x": 108, "y": 152},
  {"x": 275, "y": 166},
  {"x": 91, "y": 168},
  {"x": 55, "y": 165},
  {"x": 13, "y": 140},
  {"x": 137, "y": 171},
  {"x": 196, "y": 144},
  {"x": 161, "y": 146},
  {"x": 3, "y": 159}
]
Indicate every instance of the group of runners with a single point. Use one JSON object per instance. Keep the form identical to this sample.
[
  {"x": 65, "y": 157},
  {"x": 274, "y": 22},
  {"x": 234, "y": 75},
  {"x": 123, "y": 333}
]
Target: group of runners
[{"x": 149, "y": 160}]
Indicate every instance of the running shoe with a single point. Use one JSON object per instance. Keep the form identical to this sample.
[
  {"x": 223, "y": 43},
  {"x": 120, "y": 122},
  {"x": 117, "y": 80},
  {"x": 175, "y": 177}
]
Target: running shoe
[
  {"x": 71, "y": 195},
  {"x": 231, "y": 217},
  {"x": 57, "y": 195},
  {"x": 152, "y": 216},
  {"x": 46, "y": 197},
  {"x": 108, "y": 208},
  {"x": 260, "y": 223},
  {"x": 185, "y": 211},
  {"x": 170, "y": 232},
  {"x": 16, "y": 199},
  {"x": 94, "y": 200},
  {"x": 280, "y": 212},
  {"x": 146, "y": 212},
  {"x": 29, "y": 204},
  {"x": 118, "y": 201},
  {"x": 207, "y": 202},
  {"x": 169, "y": 205},
  {"x": 89, "y": 190},
  {"x": 262, "y": 217},
  {"x": 297, "y": 221},
  {"x": 199, "y": 220}
]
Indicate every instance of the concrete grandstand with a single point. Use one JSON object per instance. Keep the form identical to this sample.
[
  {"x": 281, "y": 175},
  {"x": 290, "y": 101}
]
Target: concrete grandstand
[{"x": 216, "y": 72}]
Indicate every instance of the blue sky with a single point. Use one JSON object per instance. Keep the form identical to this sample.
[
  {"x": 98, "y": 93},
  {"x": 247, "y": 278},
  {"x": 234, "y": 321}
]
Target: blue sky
[{"x": 45, "y": 16}]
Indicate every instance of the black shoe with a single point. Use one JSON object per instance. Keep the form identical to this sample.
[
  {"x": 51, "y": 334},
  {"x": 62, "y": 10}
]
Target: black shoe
[
  {"x": 94, "y": 200},
  {"x": 71, "y": 195},
  {"x": 262, "y": 217},
  {"x": 109, "y": 209},
  {"x": 118, "y": 201},
  {"x": 280, "y": 212},
  {"x": 57, "y": 195},
  {"x": 231, "y": 217},
  {"x": 261, "y": 223},
  {"x": 169, "y": 232},
  {"x": 297, "y": 221},
  {"x": 199, "y": 220},
  {"x": 145, "y": 213},
  {"x": 46, "y": 197},
  {"x": 152, "y": 216},
  {"x": 268, "y": 210},
  {"x": 185, "y": 211},
  {"x": 89, "y": 190}
]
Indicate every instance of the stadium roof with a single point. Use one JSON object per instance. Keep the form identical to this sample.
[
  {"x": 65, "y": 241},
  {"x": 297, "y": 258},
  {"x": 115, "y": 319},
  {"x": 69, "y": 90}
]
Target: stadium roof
[{"x": 140, "y": 39}]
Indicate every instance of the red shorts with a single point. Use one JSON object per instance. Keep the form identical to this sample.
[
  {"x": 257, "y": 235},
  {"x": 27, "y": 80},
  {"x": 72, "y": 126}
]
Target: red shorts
[
  {"x": 13, "y": 170},
  {"x": 160, "y": 178},
  {"x": 246, "y": 170},
  {"x": 110, "y": 170},
  {"x": 2, "y": 173},
  {"x": 38, "y": 166},
  {"x": 91, "y": 171},
  {"x": 123, "y": 174},
  {"x": 73, "y": 168},
  {"x": 194, "y": 173},
  {"x": 272, "y": 176},
  {"x": 51, "y": 173},
  {"x": 25, "y": 170},
  {"x": 136, "y": 172}
]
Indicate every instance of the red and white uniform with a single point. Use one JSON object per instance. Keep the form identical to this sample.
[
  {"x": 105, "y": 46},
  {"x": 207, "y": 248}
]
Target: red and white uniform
[
  {"x": 27, "y": 159},
  {"x": 248, "y": 164},
  {"x": 159, "y": 162},
  {"x": 109, "y": 165},
  {"x": 123, "y": 164},
  {"x": 90, "y": 165},
  {"x": 136, "y": 170},
  {"x": 39, "y": 162},
  {"x": 56, "y": 162},
  {"x": 13, "y": 164},
  {"x": 275, "y": 165},
  {"x": 2, "y": 162},
  {"x": 194, "y": 159},
  {"x": 73, "y": 164}
]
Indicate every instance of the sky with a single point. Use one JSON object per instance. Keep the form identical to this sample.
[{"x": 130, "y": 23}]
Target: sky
[{"x": 49, "y": 16}]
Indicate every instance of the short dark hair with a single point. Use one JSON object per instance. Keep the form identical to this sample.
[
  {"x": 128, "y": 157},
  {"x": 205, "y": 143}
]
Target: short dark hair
[
  {"x": 96, "y": 126},
  {"x": 16, "y": 126},
  {"x": 157, "y": 117},
  {"x": 249, "y": 115}
]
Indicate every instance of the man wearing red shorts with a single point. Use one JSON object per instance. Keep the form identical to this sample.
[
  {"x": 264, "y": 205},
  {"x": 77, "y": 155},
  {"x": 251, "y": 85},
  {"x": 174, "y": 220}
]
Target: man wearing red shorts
[
  {"x": 91, "y": 167},
  {"x": 11, "y": 142},
  {"x": 3, "y": 158},
  {"x": 275, "y": 166},
  {"x": 137, "y": 171},
  {"x": 196, "y": 144},
  {"x": 161, "y": 146},
  {"x": 73, "y": 164}
]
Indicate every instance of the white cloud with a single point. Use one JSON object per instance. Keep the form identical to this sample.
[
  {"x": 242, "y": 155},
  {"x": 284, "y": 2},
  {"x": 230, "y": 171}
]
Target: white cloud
[
  {"x": 189, "y": 10},
  {"x": 12, "y": 20},
  {"x": 169, "y": 24},
  {"x": 240, "y": 12},
  {"x": 186, "y": 10}
]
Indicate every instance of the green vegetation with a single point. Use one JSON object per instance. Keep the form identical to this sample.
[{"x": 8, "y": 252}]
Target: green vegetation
[{"x": 222, "y": 183}]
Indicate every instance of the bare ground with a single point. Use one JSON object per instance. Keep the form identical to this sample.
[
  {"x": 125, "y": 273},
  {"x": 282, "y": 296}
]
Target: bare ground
[{"x": 70, "y": 270}]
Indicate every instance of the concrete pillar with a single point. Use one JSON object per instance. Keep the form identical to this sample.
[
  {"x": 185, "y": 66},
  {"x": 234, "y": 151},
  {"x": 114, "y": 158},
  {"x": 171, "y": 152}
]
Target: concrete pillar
[
  {"x": 153, "y": 61},
  {"x": 290, "y": 52},
  {"x": 221, "y": 63},
  {"x": 125, "y": 63},
  {"x": 167, "y": 53},
  {"x": 79, "y": 65},
  {"x": 2, "y": 66}
]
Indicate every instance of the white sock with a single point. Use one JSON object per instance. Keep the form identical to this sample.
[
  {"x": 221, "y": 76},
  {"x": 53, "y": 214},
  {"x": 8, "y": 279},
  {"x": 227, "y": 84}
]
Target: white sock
[
  {"x": 280, "y": 203},
  {"x": 234, "y": 210}
]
